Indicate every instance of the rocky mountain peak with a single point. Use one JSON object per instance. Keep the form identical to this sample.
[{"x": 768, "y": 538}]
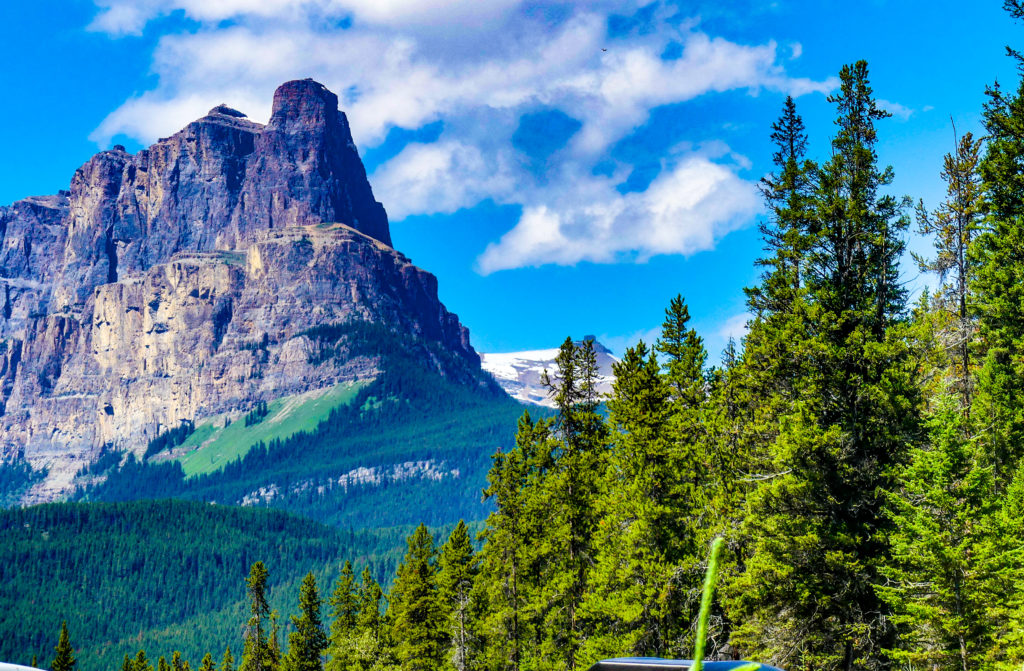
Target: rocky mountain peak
[
  {"x": 186, "y": 280},
  {"x": 226, "y": 111},
  {"x": 303, "y": 104}
]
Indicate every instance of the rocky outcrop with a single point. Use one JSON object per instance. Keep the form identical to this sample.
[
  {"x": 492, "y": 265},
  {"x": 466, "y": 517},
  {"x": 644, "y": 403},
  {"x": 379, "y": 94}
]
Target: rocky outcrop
[{"x": 178, "y": 282}]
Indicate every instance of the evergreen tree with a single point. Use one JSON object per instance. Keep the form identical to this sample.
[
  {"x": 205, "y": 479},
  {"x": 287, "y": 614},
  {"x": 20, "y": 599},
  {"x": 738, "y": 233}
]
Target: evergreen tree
[
  {"x": 345, "y": 611},
  {"x": 788, "y": 193},
  {"x": 456, "y": 571},
  {"x": 1002, "y": 561},
  {"x": 574, "y": 482},
  {"x": 162, "y": 665},
  {"x": 177, "y": 663},
  {"x": 640, "y": 525},
  {"x": 934, "y": 582},
  {"x": 65, "y": 659},
  {"x": 517, "y": 540},
  {"x": 127, "y": 664},
  {"x": 141, "y": 662},
  {"x": 207, "y": 663},
  {"x": 999, "y": 285},
  {"x": 258, "y": 653},
  {"x": 307, "y": 643},
  {"x": 954, "y": 226},
  {"x": 227, "y": 662},
  {"x": 816, "y": 528},
  {"x": 35, "y": 662},
  {"x": 372, "y": 648},
  {"x": 414, "y": 613}
]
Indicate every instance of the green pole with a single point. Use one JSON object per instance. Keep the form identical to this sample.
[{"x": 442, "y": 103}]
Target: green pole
[{"x": 705, "y": 604}]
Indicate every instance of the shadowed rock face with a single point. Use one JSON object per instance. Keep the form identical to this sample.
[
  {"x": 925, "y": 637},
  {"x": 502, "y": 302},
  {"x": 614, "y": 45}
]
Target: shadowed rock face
[{"x": 133, "y": 301}]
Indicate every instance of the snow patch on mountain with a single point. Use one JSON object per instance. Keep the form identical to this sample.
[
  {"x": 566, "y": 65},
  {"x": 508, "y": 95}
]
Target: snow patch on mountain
[{"x": 520, "y": 373}]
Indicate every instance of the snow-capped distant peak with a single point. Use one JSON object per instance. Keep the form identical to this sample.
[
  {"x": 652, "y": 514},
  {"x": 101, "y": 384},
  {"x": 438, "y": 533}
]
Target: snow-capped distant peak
[{"x": 519, "y": 373}]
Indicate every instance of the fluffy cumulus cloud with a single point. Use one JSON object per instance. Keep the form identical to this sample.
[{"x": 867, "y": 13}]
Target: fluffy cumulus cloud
[{"x": 478, "y": 67}]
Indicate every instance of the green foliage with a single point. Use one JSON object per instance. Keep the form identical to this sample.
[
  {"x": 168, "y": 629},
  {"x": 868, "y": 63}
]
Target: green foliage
[
  {"x": 814, "y": 527},
  {"x": 259, "y": 653},
  {"x": 307, "y": 643},
  {"x": 168, "y": 439},
  {"x": 457, "y": 569},
  {"x": 257, "y": 415},
  {"x": 152, "y": 581},
  {"x": 65, "y": 658},
  {"x": 16, "y": 478},
  {"x": 415, "y": 616},
  {"x": 934, "y": 583}
]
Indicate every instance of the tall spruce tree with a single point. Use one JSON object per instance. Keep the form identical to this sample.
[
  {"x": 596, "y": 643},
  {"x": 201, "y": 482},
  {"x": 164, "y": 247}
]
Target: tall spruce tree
[
  {"x": 227, "y": 662},
  {"x": 516, "y": 544},
  {"x": 141, "y": 662},
  {"x": 307, "y": 643},
  {"x": 259, "y": 653},
  {"x": 457, "y": 568},
  {"x": 630, "y": 598},
  {"x": 934, "y": 582},
  {"x": 414, "y": 612},
  {"x": 954, "y": 225},
  {"x": 372, "y": 649},
  {"x": 65, "y": 657},
  {"x": 574, "y": 482},
  {"x": 999, "y": 286},
  {"x": 788, "y": 193},
  {"x": 207, "y": 663},
  {"x": 816, "y": 530},
  {"x": 345, "y": 612}
]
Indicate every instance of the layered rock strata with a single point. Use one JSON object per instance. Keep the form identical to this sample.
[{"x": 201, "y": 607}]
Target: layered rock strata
[{"x": 177, "y": 282}]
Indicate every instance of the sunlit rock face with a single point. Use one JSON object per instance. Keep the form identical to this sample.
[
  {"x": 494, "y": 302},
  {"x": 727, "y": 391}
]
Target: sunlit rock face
[{"x": 176, "y": 283}]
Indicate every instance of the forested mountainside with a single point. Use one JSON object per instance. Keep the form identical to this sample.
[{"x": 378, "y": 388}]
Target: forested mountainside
[
  {"x": 184, "y": 281},
  {"x": 407, "y": 447},
  {"x": 138, "y": 575}
]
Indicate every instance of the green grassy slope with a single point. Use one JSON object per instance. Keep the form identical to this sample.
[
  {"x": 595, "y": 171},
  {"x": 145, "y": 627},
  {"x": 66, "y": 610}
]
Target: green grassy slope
[{"x": 217, "y": 442}]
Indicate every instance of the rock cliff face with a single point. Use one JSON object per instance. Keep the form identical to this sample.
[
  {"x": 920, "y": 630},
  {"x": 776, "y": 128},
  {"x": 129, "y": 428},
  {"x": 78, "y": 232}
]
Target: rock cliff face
[{"x": 178, "y": 283}]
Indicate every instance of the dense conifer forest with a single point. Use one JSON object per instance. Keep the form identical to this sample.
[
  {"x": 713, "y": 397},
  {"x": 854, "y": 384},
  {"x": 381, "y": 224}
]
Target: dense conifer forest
[
  {"x": 859, "y": 453},
  {"x": 156, "y": 573}
]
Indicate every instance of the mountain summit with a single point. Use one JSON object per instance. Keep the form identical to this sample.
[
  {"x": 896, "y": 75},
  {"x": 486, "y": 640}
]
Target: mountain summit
[{"x": 201, "y": 276}]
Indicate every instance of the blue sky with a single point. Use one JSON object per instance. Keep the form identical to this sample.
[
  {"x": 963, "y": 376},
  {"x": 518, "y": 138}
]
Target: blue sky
[{"x": 563, "y": 168}]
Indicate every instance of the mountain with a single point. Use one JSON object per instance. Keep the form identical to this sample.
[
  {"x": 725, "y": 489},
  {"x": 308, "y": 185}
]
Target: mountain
[
  {"x": 216, "y": 272},
  {"x": 519, "y": 373}
]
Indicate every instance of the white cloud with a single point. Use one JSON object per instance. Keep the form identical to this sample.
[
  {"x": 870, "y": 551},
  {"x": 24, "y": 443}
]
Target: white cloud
[
  {"x": 129, "y": 17},
  {"x": 735, "y": 327},
  {"x": 478, "y": 67},
  {"x": 899, "y": 111},
  {"x": 685, "y": 210},
  {"x": 439, "y": 178}
]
